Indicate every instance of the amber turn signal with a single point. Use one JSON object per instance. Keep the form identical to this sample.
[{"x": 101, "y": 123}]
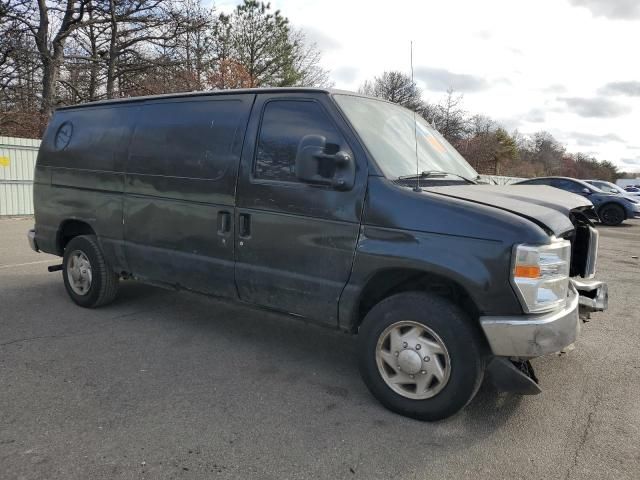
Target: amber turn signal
[{"x": 527, "y": 271}]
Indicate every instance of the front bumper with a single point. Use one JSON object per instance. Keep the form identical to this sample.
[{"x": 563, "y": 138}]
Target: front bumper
[
  {"x": 528, "y": 336},
  {"x": 633, "y": 211}
]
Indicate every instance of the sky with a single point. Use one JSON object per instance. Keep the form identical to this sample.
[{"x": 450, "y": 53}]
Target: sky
[{"x": 570, "y": 67}]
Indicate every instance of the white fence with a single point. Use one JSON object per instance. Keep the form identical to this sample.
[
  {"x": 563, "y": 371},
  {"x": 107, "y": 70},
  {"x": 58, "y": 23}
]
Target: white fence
[{"x": 17, "y": 162}]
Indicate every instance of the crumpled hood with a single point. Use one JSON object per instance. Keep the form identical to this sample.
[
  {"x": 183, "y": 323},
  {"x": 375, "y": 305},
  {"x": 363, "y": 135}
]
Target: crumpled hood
[{"x": 544, "y": 205}]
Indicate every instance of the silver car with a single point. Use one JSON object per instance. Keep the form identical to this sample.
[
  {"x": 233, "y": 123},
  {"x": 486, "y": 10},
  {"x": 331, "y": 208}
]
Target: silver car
[{"x": 613, "y": 188}]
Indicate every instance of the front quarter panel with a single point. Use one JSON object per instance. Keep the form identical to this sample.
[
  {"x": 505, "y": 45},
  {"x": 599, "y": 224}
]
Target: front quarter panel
[{"x": 467, "y": 243}]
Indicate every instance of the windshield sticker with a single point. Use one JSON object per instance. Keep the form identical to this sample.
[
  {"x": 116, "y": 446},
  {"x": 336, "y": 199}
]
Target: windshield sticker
[{"x": 436, "y": 144}]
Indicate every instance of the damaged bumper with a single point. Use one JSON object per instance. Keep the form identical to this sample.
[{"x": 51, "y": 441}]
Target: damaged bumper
[{"x": 529, "y": 336}]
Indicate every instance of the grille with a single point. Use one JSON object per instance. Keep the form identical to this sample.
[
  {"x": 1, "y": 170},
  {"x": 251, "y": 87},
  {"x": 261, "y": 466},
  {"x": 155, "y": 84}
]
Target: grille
[
  {"x": 584, "y": 251},
  {"x": 592, "y": 253}
]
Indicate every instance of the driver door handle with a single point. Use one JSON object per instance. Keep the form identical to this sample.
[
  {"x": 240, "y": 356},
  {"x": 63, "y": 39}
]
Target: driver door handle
[{"x": 224, "y": 223}]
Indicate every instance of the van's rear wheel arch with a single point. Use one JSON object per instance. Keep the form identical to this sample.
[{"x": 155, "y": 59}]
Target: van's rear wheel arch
[{"x": 70, "y": 229}]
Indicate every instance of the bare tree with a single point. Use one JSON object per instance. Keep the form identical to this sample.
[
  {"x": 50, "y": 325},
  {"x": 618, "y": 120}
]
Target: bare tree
[
  {"x": 449, "y": 118},
  {"x": 49, "y": 23},
  {"x": 134, "y": 24},
  {"x": 396, "y": 87},
  {"x": 306, "y": 62}
]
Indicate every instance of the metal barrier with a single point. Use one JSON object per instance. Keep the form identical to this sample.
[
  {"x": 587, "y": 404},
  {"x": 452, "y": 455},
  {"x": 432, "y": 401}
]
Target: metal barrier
[
  {"x": 17, "y": 163},
  {"x": 499, "y": 180}
]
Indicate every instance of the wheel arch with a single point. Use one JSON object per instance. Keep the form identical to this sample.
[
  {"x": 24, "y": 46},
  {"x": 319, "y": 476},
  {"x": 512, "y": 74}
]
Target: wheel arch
[
  {"x": 384, "y": 283},
  {"x": 69, "y": 229}
]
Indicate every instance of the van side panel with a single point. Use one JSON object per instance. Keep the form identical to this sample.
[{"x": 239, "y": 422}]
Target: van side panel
[
  {"x": 79, "y": 176},
  {"x": 466, "y": 243},
  {"x": 180, "y": 191}
]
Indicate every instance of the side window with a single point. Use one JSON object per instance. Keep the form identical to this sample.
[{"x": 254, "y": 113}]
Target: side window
[
  {"x": 538, "y": 181},
  {"x": 186, "y": 139},
  {"x": 91, "y": 138},
  {"x": 568, "y": 185},
  {"x": 284, "y": 123}
]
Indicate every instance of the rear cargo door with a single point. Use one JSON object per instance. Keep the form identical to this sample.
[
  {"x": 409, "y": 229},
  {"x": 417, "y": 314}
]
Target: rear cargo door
[
  {"x": 179, "y": 191},
  {"x": 295, "y": 241}
]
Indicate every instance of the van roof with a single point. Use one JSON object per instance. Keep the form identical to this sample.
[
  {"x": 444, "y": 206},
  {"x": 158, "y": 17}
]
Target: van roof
[{"x": 211, "y": 93}]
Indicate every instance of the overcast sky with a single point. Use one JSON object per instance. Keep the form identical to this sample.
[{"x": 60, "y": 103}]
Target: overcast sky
[{"x": 571, "y": 67}]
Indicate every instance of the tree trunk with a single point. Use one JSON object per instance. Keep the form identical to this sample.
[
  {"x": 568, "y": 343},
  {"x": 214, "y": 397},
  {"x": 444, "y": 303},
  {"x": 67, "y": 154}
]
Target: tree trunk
[
  {"x": 50, "y": 74},
  {"x": 113, "y": 51},
  {"x": 95, "y": 66}
]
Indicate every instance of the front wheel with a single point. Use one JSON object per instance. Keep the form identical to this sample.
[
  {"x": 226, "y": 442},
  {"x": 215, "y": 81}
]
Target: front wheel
[
  {"x": 420, "y": 356},
  {"x": 89, "y": 280},
  {"x": 611, "y": 215}
]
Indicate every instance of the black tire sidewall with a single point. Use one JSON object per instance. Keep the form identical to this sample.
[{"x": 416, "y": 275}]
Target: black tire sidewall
[
  {"x": 90, "y": 249},
  {"x": 456, "y": 331},
  {"x": 612, "y": 207}
]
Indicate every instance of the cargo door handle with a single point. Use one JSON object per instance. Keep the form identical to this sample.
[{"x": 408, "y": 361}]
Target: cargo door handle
[
  {"x": 245, "y": 225},
  {"x": 224, "y": 223}
]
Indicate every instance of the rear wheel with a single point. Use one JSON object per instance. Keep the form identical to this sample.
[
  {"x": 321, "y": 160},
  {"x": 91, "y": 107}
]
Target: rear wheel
[
  {"x": 89, "y": 280},
  {"x": 611, "y": 214},
  {"x": 420, "y": 356}
]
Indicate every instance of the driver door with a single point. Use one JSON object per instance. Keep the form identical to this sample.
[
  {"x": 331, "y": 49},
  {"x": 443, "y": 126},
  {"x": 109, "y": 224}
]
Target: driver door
[{"x": 295, "y": 240}]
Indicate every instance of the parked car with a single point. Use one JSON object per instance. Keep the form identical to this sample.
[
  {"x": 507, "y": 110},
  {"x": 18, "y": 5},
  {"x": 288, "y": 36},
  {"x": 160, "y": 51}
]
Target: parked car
[
  {"x": 307, "y": 202},
  {"x": 613, "y": 188},
  {"x": 612, "y": 209}
]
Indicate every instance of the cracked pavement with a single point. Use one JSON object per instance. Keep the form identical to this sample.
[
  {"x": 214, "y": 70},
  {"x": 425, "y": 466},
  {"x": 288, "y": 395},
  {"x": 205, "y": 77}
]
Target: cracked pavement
[{"x": 163, "y": 384}]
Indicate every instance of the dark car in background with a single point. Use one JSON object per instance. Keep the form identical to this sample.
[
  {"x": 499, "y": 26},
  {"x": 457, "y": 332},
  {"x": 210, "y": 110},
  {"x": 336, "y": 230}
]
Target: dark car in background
[{"x": 612, "y": 209}]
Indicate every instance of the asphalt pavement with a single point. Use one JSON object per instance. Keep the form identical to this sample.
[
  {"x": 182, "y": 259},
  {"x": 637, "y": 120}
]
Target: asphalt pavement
[{"x": 164, "y": 384}]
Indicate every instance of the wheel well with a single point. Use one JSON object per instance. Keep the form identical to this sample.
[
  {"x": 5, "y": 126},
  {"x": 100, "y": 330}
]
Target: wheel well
[
  {"x": 70, "y": 229},
  {"x": 608, "y": 204},
  {"x": 389, "y": 282}
]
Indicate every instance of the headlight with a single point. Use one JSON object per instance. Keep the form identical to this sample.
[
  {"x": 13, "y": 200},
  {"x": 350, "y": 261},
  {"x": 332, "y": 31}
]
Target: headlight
[{"x": 540, "y": 275}]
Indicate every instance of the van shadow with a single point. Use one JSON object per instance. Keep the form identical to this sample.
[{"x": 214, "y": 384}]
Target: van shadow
[{"x": 290, "y": 344}]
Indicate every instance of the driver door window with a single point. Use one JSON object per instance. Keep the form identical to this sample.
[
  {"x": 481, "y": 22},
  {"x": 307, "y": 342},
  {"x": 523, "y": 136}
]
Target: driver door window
[
  {"x": 569, "y": 186},
  {"x": 284, "y": 124}
]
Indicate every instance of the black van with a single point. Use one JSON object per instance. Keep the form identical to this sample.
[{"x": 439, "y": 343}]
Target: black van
[{"x": 339, "y": 208}]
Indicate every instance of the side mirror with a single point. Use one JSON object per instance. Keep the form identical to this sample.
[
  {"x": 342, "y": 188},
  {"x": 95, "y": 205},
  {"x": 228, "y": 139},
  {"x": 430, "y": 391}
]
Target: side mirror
[
  {"x": 314, "y": 165},
  {"x": 586, "y": 191}
]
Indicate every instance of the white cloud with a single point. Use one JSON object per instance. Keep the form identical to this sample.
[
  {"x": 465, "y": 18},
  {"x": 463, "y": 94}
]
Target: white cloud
[
  {"x": 616, "y": 9},
  {"x": 595, "y": 107},
  {"x": 441, "y": 80},
  {"x": 630, "y": 88}
]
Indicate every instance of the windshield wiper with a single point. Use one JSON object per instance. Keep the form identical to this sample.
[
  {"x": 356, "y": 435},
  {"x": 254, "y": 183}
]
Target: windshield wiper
[{"x": 434, "y": 174}]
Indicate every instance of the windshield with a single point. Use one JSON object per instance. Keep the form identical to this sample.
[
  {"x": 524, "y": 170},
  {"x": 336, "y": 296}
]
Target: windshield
[{"x": 389, "y": 133}]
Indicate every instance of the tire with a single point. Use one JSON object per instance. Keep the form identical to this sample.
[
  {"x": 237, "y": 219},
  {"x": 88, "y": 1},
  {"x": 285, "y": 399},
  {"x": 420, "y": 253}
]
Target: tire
[
  {"x": 84, "y": 253},
  {"x": 442, "y": 324},
  {"x": 611, "y": 214}
]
